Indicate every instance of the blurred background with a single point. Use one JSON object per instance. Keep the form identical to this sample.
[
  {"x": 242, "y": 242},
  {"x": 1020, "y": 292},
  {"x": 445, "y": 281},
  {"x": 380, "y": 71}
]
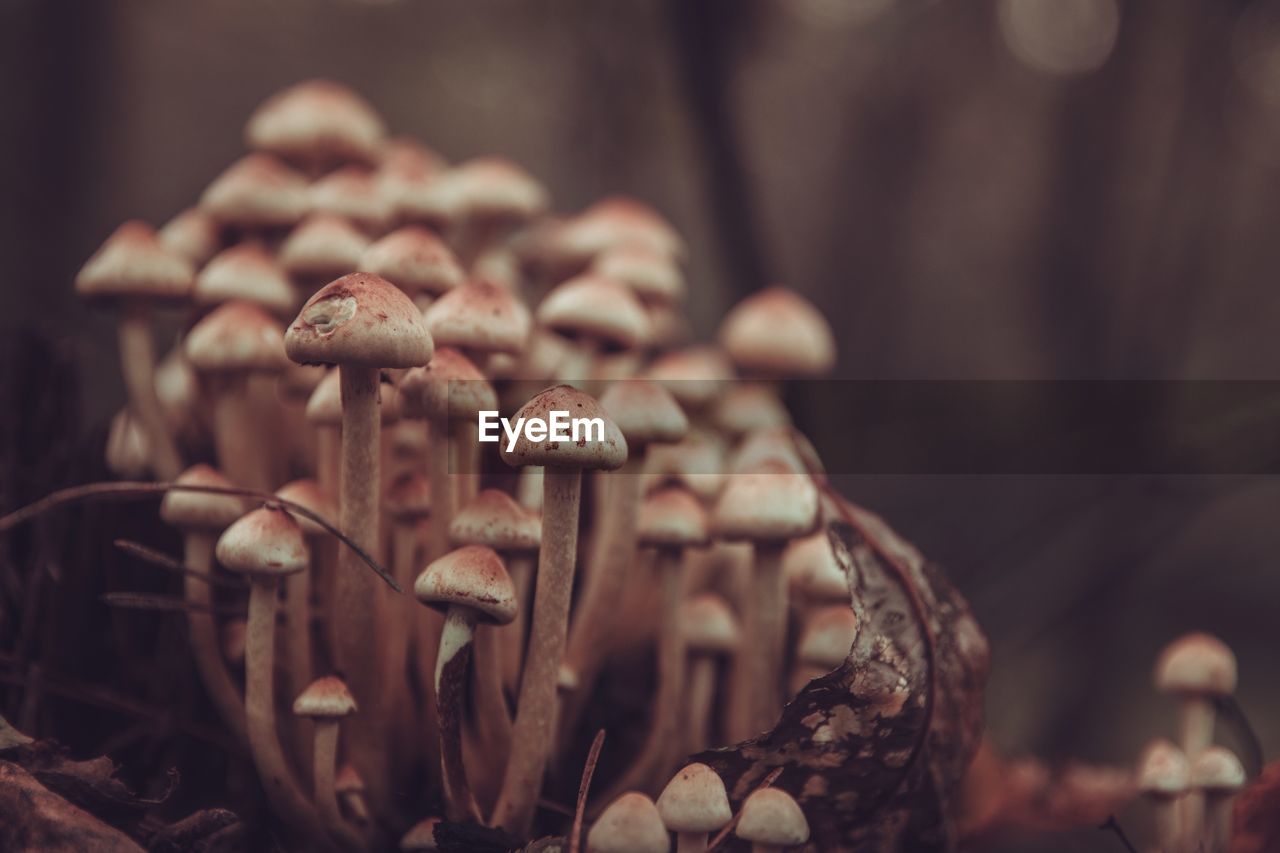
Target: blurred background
[{"x": 986, "y": 189}]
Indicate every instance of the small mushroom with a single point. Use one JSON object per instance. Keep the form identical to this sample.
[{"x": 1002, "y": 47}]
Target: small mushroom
[
  {"x": 317, "y": 124},
  {"x": 693, "y": 805},
  {"x": 825, "y": 644},
  {"x": 326, "y": 701},
  {"x": 1163, "y": 778},
  {"x": 631, "y": 824},
  {"x": 710, "y": 632},
  {"x": 421, "y": 836},
  {"x": 600, "y": 313},
  {"x": 415, "y": 260},
  {"x": 777, "y": 333},
  {"x": 1217, "y": 776},
  {"x": 321, "y": 247},
  {"x": 256, "y": 195},
  {"x": 1197, "y": 669},
  {"x": 772, "y": 821}
]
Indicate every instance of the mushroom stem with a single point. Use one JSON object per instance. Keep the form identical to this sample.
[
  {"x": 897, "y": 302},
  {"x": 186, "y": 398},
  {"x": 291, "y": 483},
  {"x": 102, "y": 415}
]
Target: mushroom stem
[
  {"x": 451, "y": 686},
  {"x": 297, "y": 654},
  {"x": 532, "y": 733},
  {"x": 442, "y": 490},
  {"x": 223, "y": 692},
  {"x": 1168, "y": 820},
  {"x": 1196, "y": 718},
  {"x": 513, "y": 636},
  {"x": 324, "y": 769},
  {"x": 328, "y": 458},
  {"x": 466, "y": 450},
  {"x": 243, "y": 454},
  {"x": 1216, "y": 833},
  {"x": 691, "y": 842},
  {"x": 702, "y": 687},
  {"x": 770, "y": 611},
  {"x": 138, "y": 368}
]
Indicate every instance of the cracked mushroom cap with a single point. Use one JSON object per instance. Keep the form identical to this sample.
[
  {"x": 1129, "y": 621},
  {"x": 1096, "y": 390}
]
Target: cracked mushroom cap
[
  {"x": 236, "y": 337},
  {"x": 472, "y": 576},
  {"x": 408, "y": 498},
  {"x": 307, "y": 493},
  {"x": 672, "y": 518},
  {"x": 257, "y": 191},
  {"x": 1163, "y": 770},
  {"x": 245, "y": 272},
  {"x": 1217, "y": 770},
  {"x": 645, "y": 412},
  {"x": 352, "y": 193},
  {"x": 592, "y": 306},
  {"x": 777, "y": 332},
  {"x": 323, "y": 245},
  {"x": 493, "y": 518},
  {"x": 267, "y": 541},
  {"x": 496, "y": 188},
  {"x": 811, "y": 567},
  {"x": 449, "y": 386},
  {"x": 709, "y": 625},
  {"x": 480, "y": 317},
  {"x": 317, "y": 122},
  {"x": 768, "y": 503},
  {"x": 651, "y": 273},
  {"x": 1196, "y": 664},
  {"x": 422, "y": 836},
  {"x": 694, "y": 801},
  {"x": 325, "y": 698},
  {"x": 415, "y": 260},
  {"x": 772, "y": 816},
  {"x": 360, "y": 319},
  {"x": 828, "y": 636},
  {"x": 589, "y": 452},
  {"x": 133, "y": 264},
  {"x": 631, "y": 824},
  {"x": 193, "y": 233},
  {"x": 208, "y": 511}
]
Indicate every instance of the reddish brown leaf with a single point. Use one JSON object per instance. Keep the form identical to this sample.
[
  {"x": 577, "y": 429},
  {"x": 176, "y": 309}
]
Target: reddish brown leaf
[
  {"x": 1257, "y": 814},
  {"x": 33, "y": 818}
]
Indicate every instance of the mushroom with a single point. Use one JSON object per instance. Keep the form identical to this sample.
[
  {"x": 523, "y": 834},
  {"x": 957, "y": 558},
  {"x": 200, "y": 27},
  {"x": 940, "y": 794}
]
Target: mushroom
[
  {"x": 128, "y": 451},
  {"x": 532, "y": 733},
  {"x": 825, "y": 644},
  {"x": 1163, "y": 777},
  {"x": 614, "y": 221},
  {"x": 257, "y": 195},
  {"x": 600, "y": 313},
  {"x": 812, "y": 571},
  {"x": 351, "y": 791},
  {"x": 631, "y": 824},
  {"x": 326, "y": 701},
  {"x": 469, "y": 585},
  {"x": 352, "y": 193},
  {"x": 317, "y": 124},
  {"x": 415, "y": 260},
  {"x": 361, "y": 323},
  {"x": 694, "y": 804},
  {"x": 695, "y": 376},
  {"x": 772, "y": 821},
  {"x": 201, "y": 516},
  {"x": 494, "y": 197},
  {"x": 710, "y": 631},
  {"x": 132, "y": 271},
  {"x": 321, "y": 247},
  {"x": 407, "y": 169},
  {"x": 748, "y": 406},
  {"x": 777, "y": 333},
  {"x": 421, "y": 836},
  {"x": 767, "y": 505},
  {"x": 1217, "y": 776},
  {"x": 1197, "y": 669},
  {"x": 193, "y": 233},
  {"x": 651, "y": 273},
  {"x": 246, "y": 272}
]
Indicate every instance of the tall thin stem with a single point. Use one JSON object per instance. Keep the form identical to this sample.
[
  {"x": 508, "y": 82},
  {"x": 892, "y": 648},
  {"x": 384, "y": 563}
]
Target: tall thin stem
[
  {"x": 138, "y": 369},
  {"x": 223, "y": 691}
]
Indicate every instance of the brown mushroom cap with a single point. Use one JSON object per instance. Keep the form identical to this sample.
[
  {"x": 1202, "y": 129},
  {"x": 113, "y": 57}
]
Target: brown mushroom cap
[
  {"x": 771, "y": 816},
  {"x": 653, "y": 274},
  {"x": 709, "y": 625},
  {"x": 208, "y": 511},
  {"x": 1163, "y": 770},
  {"x": 631, "y": 824},
  {"x": 695, "y": 375},
  {"x": 1217, "y": 770},
  {"x": 245, "y": 272},
  {"x": 472, "y": 576},
  {"x": 307, "y": 493},
  {"x": 645, "y": 412},
  {"x": 325, "y": 698},
  {"x": 672, "y": 518},
  {"x": 236, "y": 337},
  {"x": 496, "y": 188},
  {"x": 267, "y": 541},
  {"x": 778, "y": 443},
  {"x": 408, "y": 498},
  {"x": 828, "y": 636},
  {"x": 768, "y": 503},
  {"x": 606, "y": 454},
  {"x": 324, "y": 406},
  {"x": 777, "y": 332},
  {"x": 596, "y": 307},
  {"x": 614, "y": 221},
  {"x": 493, "y": 518},
  {"x": 449, "y": 386},
  {"x": 359, "y": 319},
  {"x": 132, "y": 263},
  {"x": 323, "y": 245},
  {"x": 694, "y": 801},
  {"x": 540, "y": 360},
  {"x": 415, "y": 260},
  {"x": 746, "y": 407},
  {"x": 406, "y": 167},
  {"x": 479, "y": 316},
  {"x": 193, "y": 233},
  {"x": 697, "y": 463},
  {"x": 1197, "y": 664},
  {"x": 348, "y": 781},
  {"x": 421, "y": 836},
  {"x": 811, "y": 566},
  {"x": 317, "y": 122},
  {"x": 256, "y": 191},
  {"x": 352, "y": 193}
]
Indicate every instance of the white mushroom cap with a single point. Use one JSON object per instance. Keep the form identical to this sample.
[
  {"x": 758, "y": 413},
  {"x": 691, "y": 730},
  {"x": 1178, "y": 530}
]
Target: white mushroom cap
[
  {"x": 201, "y": 510},
  {"x": 810, "y": 566},
  {"x": 672, "y": 518},
  {"x": 267, "y": 541},
  {"x": 308, "y": 493},
  {"x": 415, "y": 260},
  {"x": 606, "y": 454},
  {"x": 323, "y": 245},
  {"x": 709, "y": 625},
  {"x": 1163, "y": 770},
  {"x": 236, "y": 337},
  {"x": 768, "y": 503},
  {"x": 479, "y": 316},
  {"x": 645, "y": 412},
  {"x": 1197, "y": 664},
  {"x": 828, "y": 637},
  {"x": 256, "y": 191},
  {"x": 245, "y": 272},
  {"x": 1217, "y": 770},
  {"x": 449, "y": 386},
  {"x": 695, "y": 375},
  {"x": 325, "y": 698},
  {"x": 777, "y": 332},
  {"x": 352, "y": 193},
  {"x": 748, "y": 406},
  {"x": 694, "y": 801},
  {"x": 193, "y": 233},
  {"x": 317, "y": 122},
  {"x": 132, "y": 263},
  {"x": 771, "y": 816},
  {"x": 493, "y": 518},
  {"x": 408, "y": 498},
  {"x": 593, "y": 306},
  {"x": 631, "y": 824},
  {"x": 653, "y": 274},
  {"x": 474, "y": 577},
  {"x": 324, "y": 406}
]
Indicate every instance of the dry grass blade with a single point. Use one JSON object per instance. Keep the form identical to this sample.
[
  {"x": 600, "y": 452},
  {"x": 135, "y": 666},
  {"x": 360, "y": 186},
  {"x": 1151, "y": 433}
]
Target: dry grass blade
[
  {"x": 169, "y": 564},
  {"x": 588, "y": 771},
  {"x": 165, "y": 604}
]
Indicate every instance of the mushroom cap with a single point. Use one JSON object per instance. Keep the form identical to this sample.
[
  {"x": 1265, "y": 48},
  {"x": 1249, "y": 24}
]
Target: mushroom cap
[
  {"x": 201, "y": 510},
  {"x": 592, "y": 306},
  {"x": 613, "y": 221},
  {"x": 266, "y": 541},
  {"x": 245, "y": 272},
  {"x": 479, "y": 316},
  {"x": 415, "y": 260},
  {"x": 128, "y": 451},
  {"x": 307, "y": 493},
  {"x": 1217, "y": 769},
  {"x": 133, "y": 263},
  {"x": 1163, "y": 770},
  {"x": 768, "y": 503},
  {"x": 694, "y": 801},
  {"x": 472, "y": 576},
  {"x": 672, "y": 518},
  {"x": 828, "y": 636},
  {"x": 587, "y": 452},
  {"x": 256, "y": 191},
  {"x": 236, "y": 337},
  {"x": 539, "y": 361},
  {"x": 496, "y": 188},
  {"x": 746, "y": 407},
  {"x": 653, "y": 274},
  {"x": 323, "y": 245},
  {"x": 317, "y": 121},
  {"x": 772, "y": 816},
  {"x": 324, "y": 406},
  {"x": 193, "y": 233},
  {"x": 360, "y": 319},
  {"x": 645, "y": 412},
  {"x": 631, "y": 824},
  {"x": 352, "y": 193},
  {"x": 493, "y": 518},
  {"x": 325, "y": 698},
  {"x": 810, "y": 565},
  {"x": 697, "y": 463},
  {"x": 405, "y": 168},
  {"x": 1196, "y": 663},
  {"x": 449, "y": 386},
  {"x": 694, "y": 375},
  {"x": 408, "y": 498},
  {"x": 777, "y": 332},
  {"x": 709, "y": 625},
  {"x": 348, "y": 780},
  {"x": 781, "y": 443},
  {"x": 421, "y": 836}
]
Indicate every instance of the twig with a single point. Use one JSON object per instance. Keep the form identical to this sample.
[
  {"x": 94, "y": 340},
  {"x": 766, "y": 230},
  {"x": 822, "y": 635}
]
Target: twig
[
  {"x": 165, "y": 603},
  {"x": 1114, "y": 826},
  {"x": 169, "y": 564},
  {"x": 767, "y": 782},
  {"x": 135, "y": 489},
  {"x": 588, "y": 771}
]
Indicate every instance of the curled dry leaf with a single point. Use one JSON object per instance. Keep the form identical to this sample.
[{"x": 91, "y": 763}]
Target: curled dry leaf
[
  {"x": 34, "y": 818},
  {"x": 874, "y": 752}
]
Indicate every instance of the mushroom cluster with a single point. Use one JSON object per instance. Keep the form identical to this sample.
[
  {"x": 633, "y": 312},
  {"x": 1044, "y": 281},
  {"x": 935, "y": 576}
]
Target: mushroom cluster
[{"x": 352, "y": 304}]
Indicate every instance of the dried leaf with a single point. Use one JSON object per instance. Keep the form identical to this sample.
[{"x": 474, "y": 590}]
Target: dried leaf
[
  {"x": 33, "y": 818},
  {"x": 207, "y": 831},
  {"x": 1257, "y": 814}
]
